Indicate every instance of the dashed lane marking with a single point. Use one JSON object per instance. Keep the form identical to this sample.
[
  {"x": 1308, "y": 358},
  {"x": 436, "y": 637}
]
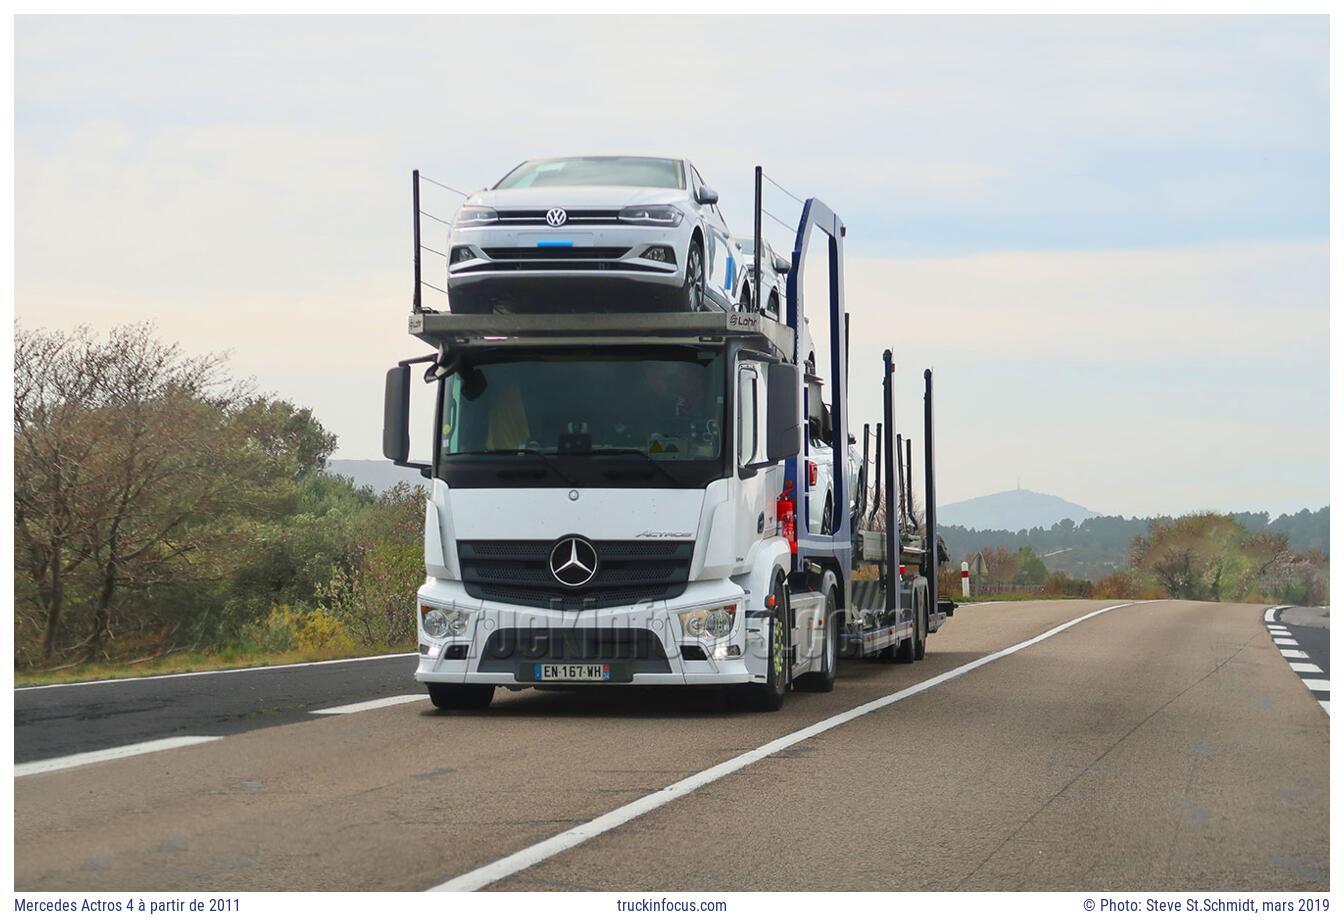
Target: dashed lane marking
[{"x": 1298, "y": 660}]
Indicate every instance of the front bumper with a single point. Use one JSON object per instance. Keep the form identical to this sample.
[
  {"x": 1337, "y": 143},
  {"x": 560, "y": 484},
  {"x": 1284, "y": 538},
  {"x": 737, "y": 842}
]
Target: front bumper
[
  {"x": 614, "y": 251},
  {"x": 495, "y": 646}
]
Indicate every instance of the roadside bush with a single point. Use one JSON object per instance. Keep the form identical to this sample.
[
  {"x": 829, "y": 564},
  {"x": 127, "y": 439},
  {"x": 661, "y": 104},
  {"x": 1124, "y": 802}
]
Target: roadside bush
[{"x": 287, "y": 629}]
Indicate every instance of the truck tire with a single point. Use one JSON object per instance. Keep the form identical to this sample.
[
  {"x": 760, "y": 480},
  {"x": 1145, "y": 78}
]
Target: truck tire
[
  {"x": 922, "y": 631},
  {"x": 823, "y": 681},
  {"x": 461, "y": 696},
  {"x": 769, "y": 696}
]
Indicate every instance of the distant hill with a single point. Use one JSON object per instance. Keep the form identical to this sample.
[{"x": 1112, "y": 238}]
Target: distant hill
[
  {"x": 1018, "y": 509},
  {"x": 379, "y": 475}
]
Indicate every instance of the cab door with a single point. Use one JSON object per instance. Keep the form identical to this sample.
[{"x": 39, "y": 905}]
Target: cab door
[{"x": 756, "y": 491}]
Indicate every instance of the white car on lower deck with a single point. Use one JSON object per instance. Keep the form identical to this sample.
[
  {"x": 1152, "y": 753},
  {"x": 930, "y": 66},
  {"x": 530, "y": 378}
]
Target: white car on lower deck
[{"x": 575, "y": 233}]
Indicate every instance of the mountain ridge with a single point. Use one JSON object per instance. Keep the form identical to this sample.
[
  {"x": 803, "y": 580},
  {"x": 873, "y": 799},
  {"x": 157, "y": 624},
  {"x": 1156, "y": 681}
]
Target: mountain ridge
[{"x": 1015, "y": 509}]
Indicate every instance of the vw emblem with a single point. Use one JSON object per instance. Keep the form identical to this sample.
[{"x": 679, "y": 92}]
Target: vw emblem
[
  {"x": 556, "y": 217},
  {"x": 573, "y": 561}
]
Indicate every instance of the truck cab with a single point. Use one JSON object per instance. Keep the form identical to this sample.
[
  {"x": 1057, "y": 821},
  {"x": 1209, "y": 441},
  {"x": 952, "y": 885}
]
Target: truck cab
[{"x": 604, "y": 499}]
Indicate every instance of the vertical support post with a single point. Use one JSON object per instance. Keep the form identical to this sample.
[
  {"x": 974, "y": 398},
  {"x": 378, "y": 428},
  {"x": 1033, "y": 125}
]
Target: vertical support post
[
  {"x": 902, "y": 484},
  {"x": 877, "y": 471},
  {"x": 890, "y": 583},
  {"x": 965, "y": 579},
  {"x": 416, "y": 306},
  {"x": 756, "y": 270},
  {"x": 861, "y": 499},
  {"x": 930, "y": 499},
  {"x": 910, "y": 480}
]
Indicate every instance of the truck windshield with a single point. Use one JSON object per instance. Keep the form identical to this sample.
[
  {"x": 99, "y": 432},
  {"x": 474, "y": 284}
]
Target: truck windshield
[
  {"x": 640, "y": 417},
  {"x": 640, "y": 172}
]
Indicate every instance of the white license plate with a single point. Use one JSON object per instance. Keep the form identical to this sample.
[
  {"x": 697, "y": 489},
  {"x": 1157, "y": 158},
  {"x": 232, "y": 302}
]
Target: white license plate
[{"x": 595, "y": 672}]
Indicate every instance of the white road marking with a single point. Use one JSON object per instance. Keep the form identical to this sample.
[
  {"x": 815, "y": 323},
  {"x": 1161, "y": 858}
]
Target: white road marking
[
  {"x": 1292, "y": 653},
  {"x": 1272, "y": 615},
  {"x": 1285, "y": 642},
  {"x": 371, "y": 704},
  {"x": 1317, "y": 683},
  {"x": 264, "y": 667},
  {"x": 1278, "y": 630},
  {"x": 128, "y": 750},
  {"x": 1325, "y": 704},
  {"x": 1303, "y": 667},
  {"x": 545, "y": 849}
]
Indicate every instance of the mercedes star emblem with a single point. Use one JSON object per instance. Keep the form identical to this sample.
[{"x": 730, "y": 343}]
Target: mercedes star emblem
[
  {"x": 556, "y": 217},
  {"x": 573, "y": 561}
]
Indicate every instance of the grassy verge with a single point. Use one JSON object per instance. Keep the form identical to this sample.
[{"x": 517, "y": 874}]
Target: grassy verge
[{"x": 187, "y": 662}]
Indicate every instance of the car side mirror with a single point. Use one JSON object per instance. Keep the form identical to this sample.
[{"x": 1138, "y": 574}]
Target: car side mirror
[
  {"x": 706, "y": 195},
  {"x": 782, "y": 265},
  {"x": 783, "y": 427}
]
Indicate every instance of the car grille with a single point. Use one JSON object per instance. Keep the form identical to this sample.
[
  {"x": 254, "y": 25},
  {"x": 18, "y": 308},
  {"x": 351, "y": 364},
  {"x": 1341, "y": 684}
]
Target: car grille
[
  {"x": 628, "y": 572},
  {"x": 630, "y": 650},
  {"x": 555, "y": 253},
  {"x": 587, "y": 217}
]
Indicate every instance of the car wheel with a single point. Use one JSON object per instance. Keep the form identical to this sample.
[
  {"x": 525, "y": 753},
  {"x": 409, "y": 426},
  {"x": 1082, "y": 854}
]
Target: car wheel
[
  {"x": 828, "y": 517},
  {"x": 693, "y": 288},
  {"x": 773, "y": 307}
]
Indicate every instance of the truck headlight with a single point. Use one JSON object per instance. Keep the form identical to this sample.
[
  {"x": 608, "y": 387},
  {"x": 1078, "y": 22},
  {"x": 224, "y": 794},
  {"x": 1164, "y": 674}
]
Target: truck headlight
[
  {"x": 439, "y": 622},
  {"x": 657, "y": 215},
  {"x": 708, "y": 622}
]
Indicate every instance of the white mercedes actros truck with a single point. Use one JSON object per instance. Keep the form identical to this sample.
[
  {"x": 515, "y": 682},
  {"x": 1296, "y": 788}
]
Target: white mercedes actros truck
[{"x": 615, "y": 499}]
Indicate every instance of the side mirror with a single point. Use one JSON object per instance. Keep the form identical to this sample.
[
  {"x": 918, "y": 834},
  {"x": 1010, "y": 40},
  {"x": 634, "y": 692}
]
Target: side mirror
[
  {"x": 852, "y": 439},
  {"x": 783, "y": 426},
  {"x": 397, "y": 415},
  {"x": 782, "y": 265},
  {"x": 706, "y": 195}
]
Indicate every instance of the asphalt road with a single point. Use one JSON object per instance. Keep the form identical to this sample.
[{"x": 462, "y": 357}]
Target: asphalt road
[
  {"x": 1162, "y": 746},
  {"x": 59, "y": 720}
]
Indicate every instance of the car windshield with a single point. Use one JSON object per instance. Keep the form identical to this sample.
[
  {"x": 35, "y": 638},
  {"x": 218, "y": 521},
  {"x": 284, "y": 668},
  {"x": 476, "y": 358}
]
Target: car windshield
[
  {"x": 641, "y": 172},
  {"x": 648, "y": 415},
  {"x": 748, "y": 245}
]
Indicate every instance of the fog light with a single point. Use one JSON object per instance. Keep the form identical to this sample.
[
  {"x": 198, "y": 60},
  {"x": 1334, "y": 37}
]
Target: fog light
[
  {"x": 662, "y": 254},
  {"x": 728, "y": 651},
  {"x": 461, "y": 254}
]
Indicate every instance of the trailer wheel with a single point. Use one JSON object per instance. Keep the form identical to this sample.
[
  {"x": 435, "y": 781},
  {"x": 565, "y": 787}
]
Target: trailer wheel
[
  {"x": 912, "y": 649},
  {"x": 922, "y": 631},
  {"x": 461, "y": 696},
  {"x": 769, "y": 696},
  {"x": 823, "y": 681}
]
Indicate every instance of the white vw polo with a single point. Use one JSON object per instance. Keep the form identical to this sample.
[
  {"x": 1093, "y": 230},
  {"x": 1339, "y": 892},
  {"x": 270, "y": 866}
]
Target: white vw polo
[{"x": 590, "y": 232}]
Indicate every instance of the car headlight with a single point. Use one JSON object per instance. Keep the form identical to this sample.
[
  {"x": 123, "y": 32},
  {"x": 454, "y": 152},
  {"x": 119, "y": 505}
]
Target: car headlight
[
  {"x": 440, "y": 623},
  {"x": 658, "y": 215},
  {"x": 473, "y": 216},
  {"x": 709, "y": 622}
]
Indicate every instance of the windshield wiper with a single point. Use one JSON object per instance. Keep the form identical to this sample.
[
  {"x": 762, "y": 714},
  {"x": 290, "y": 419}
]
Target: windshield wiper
[
  {"x": 513, "y": 451},
  {"x": 634, "y": 452}
]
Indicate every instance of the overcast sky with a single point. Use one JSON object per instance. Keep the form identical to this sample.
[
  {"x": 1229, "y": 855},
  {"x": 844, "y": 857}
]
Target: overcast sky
[{"x": 1107, "y": 235}]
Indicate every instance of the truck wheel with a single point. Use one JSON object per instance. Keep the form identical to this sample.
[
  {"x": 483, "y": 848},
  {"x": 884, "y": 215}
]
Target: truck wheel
[
  {"x": 461, "y": 696},
  {"x": 769, "y": 696},
  {"x": 823, "y": 681}
]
